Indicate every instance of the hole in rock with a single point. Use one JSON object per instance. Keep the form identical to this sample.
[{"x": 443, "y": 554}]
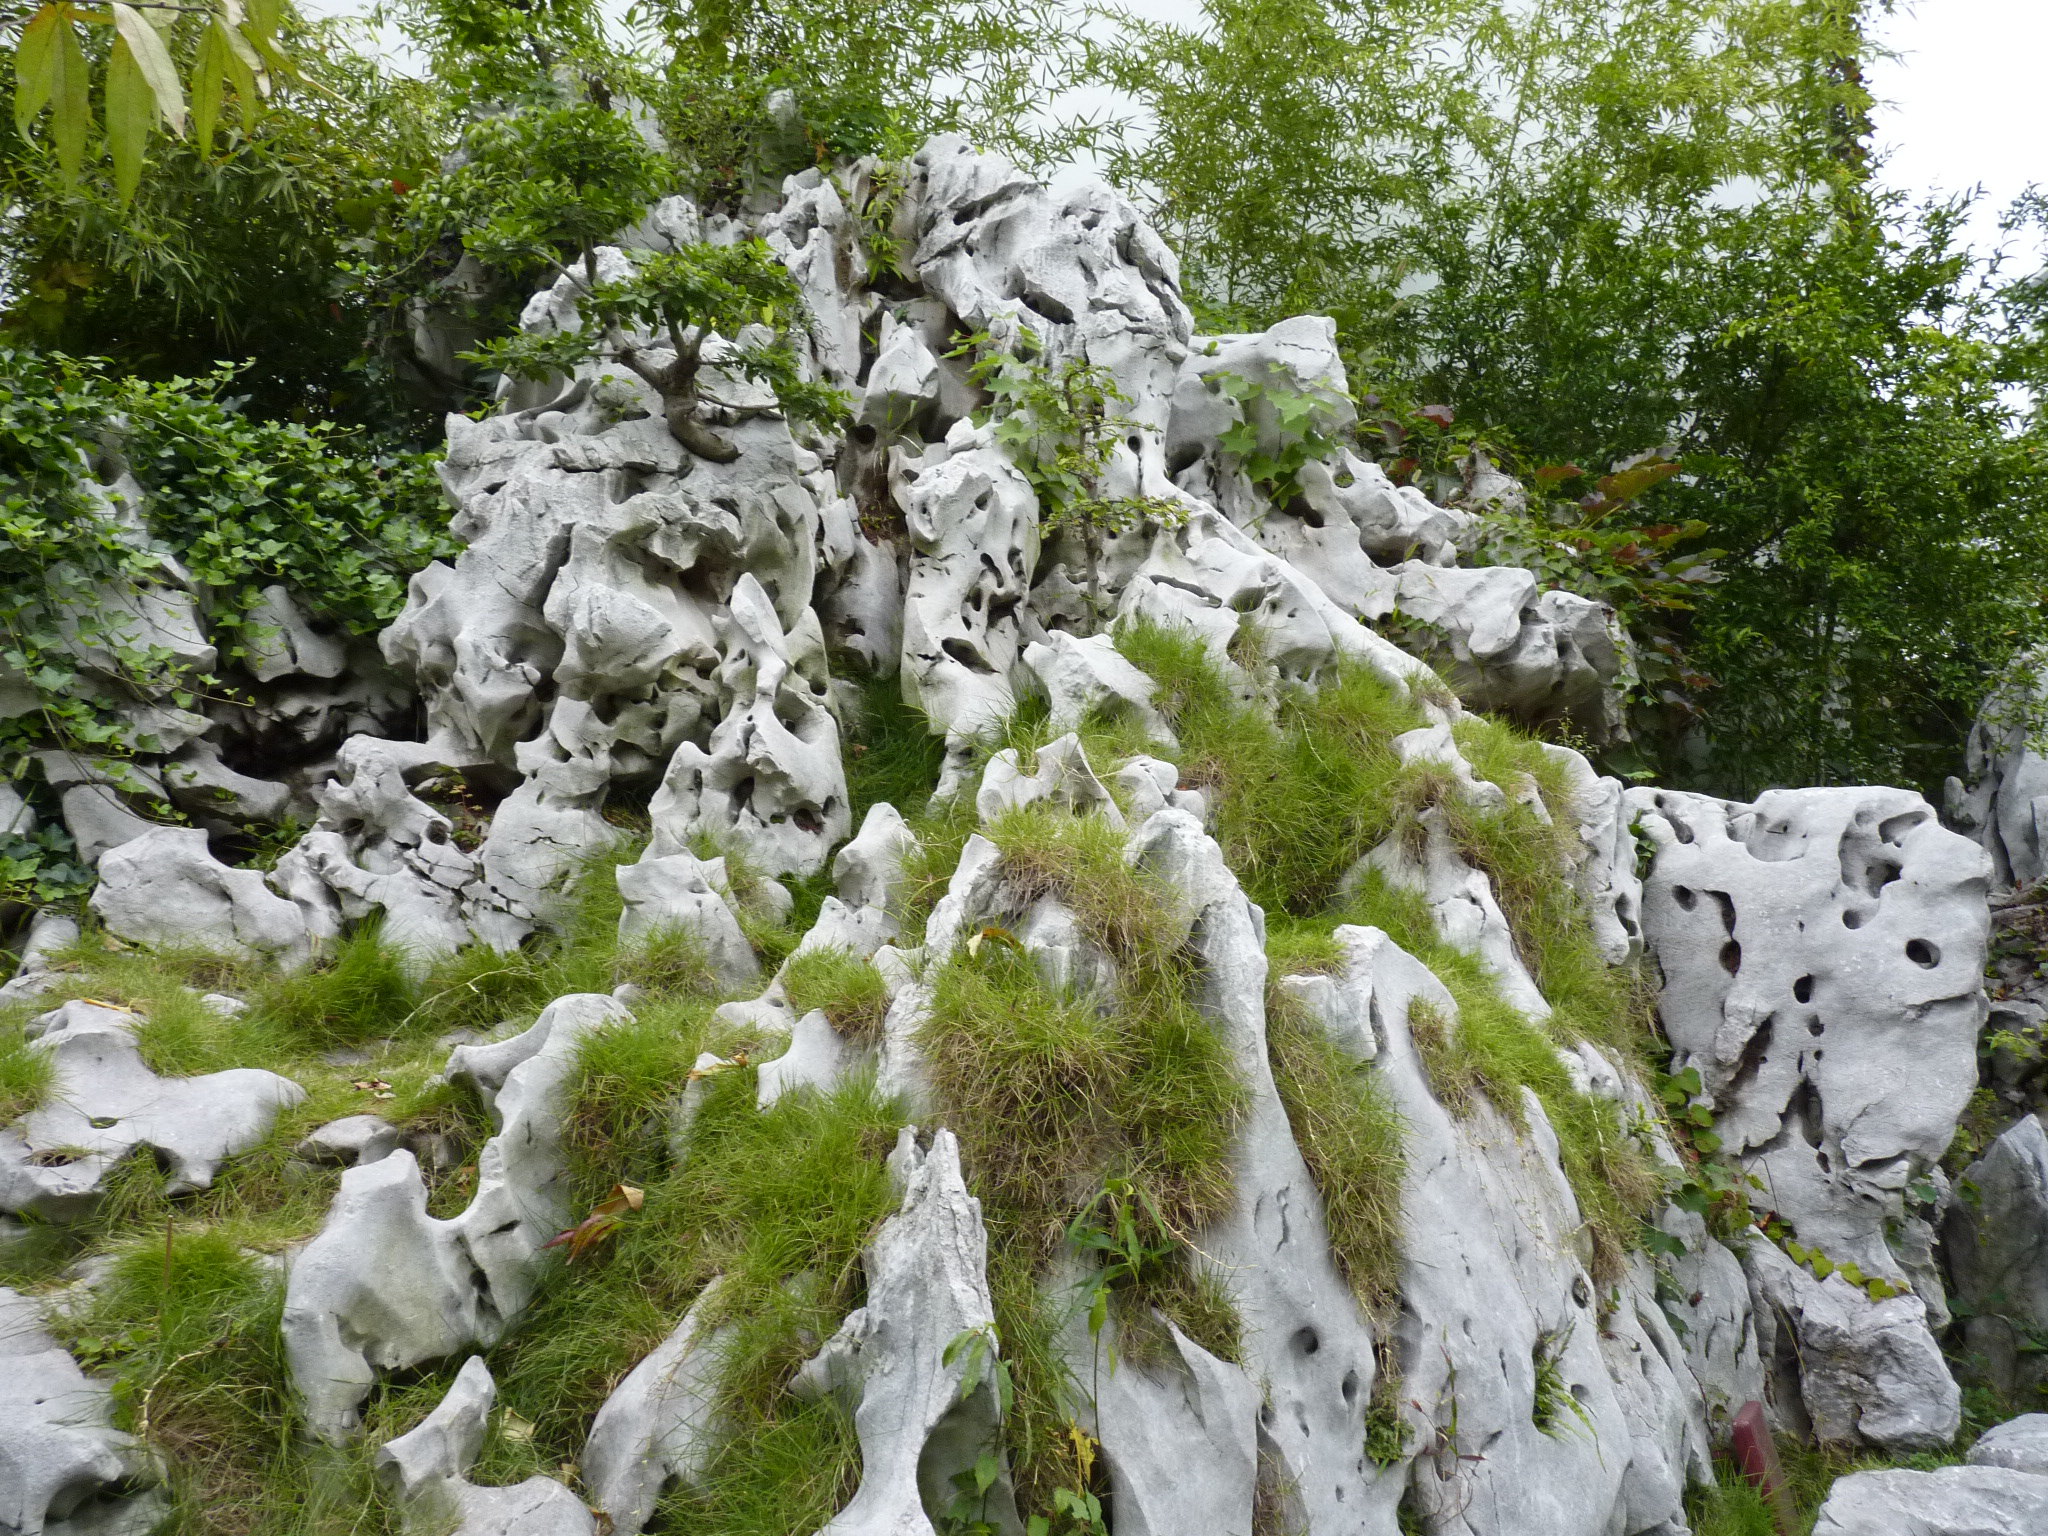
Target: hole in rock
[
  {"x": 53, "y": 1157},
  {"x": 808, "y": 820},
  {"x": 1923, "y": 954},
  {"x": 964, "y": 652},
  {"x": 1893, "y": 829},
  {"x": 1731, "y": 957},
  {"x": 1755, "y": 1055},
  {"x": 1350, "y": 1389},
  {"x": 1802, "y": 989},
  {"x": 1804, "y": 1113},
  {"x": 104, "y": 1122},
  {"x": 1686, "y": 897},
  {"x": 1306, "y": 1341},
  {"x": 864, "y": 434},
  {"x": 1851, "y": 918},
  {"x": 1814, "y": 1026},
  {"x": 1727, "y": 905}
]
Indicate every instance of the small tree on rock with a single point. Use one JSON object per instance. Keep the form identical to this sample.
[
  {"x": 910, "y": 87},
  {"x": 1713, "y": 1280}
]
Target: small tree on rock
[{"x": 543, "y": 189}]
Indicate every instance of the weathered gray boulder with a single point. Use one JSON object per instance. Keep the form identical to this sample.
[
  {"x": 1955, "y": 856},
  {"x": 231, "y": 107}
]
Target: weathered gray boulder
[
  {"x": 64, "y": 1469},
  {"x": 166, "y": 888},
  {"x": 1823, "y": 956},
  {"x": 385, "y": 1285},
  {"x": 661, "y": 1422},
  {"x": 681, "y": 893},
  {"x": 2019, "y": 1445},
  {"x": 351, "y": 1140},
  {"x": 1950, "y": 1501},
  {"x": 104, "y": 1103},
  {"x": 427, "y": 1468},
  {"x": 1996, "y": 1242},
  {"x": 894, "y": 1361}
]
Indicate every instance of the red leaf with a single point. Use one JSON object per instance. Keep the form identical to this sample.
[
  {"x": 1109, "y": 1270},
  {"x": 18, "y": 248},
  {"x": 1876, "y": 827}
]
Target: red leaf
[
  {"x": 1441, "y": 415},
  {"x": 1553, "y": 474},
  {"x": 1403, "y": 469}
]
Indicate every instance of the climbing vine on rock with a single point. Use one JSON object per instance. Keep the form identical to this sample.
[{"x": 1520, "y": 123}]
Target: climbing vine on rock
[{"x": 229, "y": 505}]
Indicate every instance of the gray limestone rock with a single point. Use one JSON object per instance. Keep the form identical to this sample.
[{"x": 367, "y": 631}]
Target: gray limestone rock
[
  {"x": 1060, "y": 777},
  {"x": 64, "y": 1469},
  {"x": 895, "y": 1360},
  {"x": 972, "y": 520},
  {"x": 681, "y": 892},
  {"x": 1950, "y": 1501},
  {"x": 386, "y": 1286},
  {"x": 1494, "y": 1285},
  {"x": 1996, "y": 1242},
  {"x": 350, "y": 1141},
  {"x": 2020, "y": 1445},
  {"x": 661, "y": 1422},
  {"x": 166, "y": 888},
  {"x": 1823, "y": 956},
  {"x": 379, "y": 850},
  {"x": 868, "y": 871},
  {"x": 428, "y": 1469},
  {"x": 1850, "y": 1369},
  {"x": 771, "y": 782},
  {"x": 1088, "y": 677},
  {"x": 104, "y": 1103}
]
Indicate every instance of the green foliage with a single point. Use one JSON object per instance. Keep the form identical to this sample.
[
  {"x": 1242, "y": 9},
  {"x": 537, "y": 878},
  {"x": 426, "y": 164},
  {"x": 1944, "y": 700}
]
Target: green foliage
[
  {"x": 891, "y": 752},
  {"x": 749, "y": 92},
  {"x": 1062, "y": 425},
  {"x": 848, "y": 988},
  {"x": 1629, "y": 234},
  {"x": 24, "y": 1071},
  {"x": 240, "y": 503},
  {"x": 1280, "y": 428},
  {"x": 228, "y": 249},
  {"x": 42, "y": 868},
  {"x": 142, "y": 88}
]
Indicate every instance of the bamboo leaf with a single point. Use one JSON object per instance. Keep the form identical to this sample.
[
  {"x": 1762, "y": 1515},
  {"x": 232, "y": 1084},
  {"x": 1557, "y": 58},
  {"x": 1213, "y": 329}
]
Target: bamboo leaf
[
  {"x": 209, "y": 78},
  {"x": 152, "y": 61},
  {"x": 35, "y": 64},
  {"x": 131, "y": 111},
  {"x": 70, "y": 102}
]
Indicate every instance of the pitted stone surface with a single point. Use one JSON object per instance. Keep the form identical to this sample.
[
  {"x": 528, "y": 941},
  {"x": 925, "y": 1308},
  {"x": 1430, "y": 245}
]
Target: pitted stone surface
[
  {"x": 385, "y": 1286},
  {"x": 104, "y": 1103},
  {"x": 64, "y": 1469},
  {"x": 1823, "y": 956}
]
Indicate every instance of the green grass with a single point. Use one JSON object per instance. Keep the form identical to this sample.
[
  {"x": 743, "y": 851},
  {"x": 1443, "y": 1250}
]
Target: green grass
[
  {"x": 849, "y": 989},
  {"x": 24, "y": 1073},
  {"x": 1058, "y": 1099},
  {"x": 1493, "y": 1052},
  {"x": 1350, "y": 1134},
  {"x": 891, "y": 753},
  {"x": 1300, "y": 797}
]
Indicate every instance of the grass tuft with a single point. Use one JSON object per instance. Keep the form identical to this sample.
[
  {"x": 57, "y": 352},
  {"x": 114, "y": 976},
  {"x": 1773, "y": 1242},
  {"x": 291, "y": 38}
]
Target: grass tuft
[
  {"x": 1350, "y": 1135},
  {"x": 24, "y": 1071},
  {"x": 849, "y": 989}
]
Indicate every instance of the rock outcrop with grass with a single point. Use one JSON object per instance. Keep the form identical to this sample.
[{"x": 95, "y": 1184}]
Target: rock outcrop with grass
[{"x": 1051, "y": 971}]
